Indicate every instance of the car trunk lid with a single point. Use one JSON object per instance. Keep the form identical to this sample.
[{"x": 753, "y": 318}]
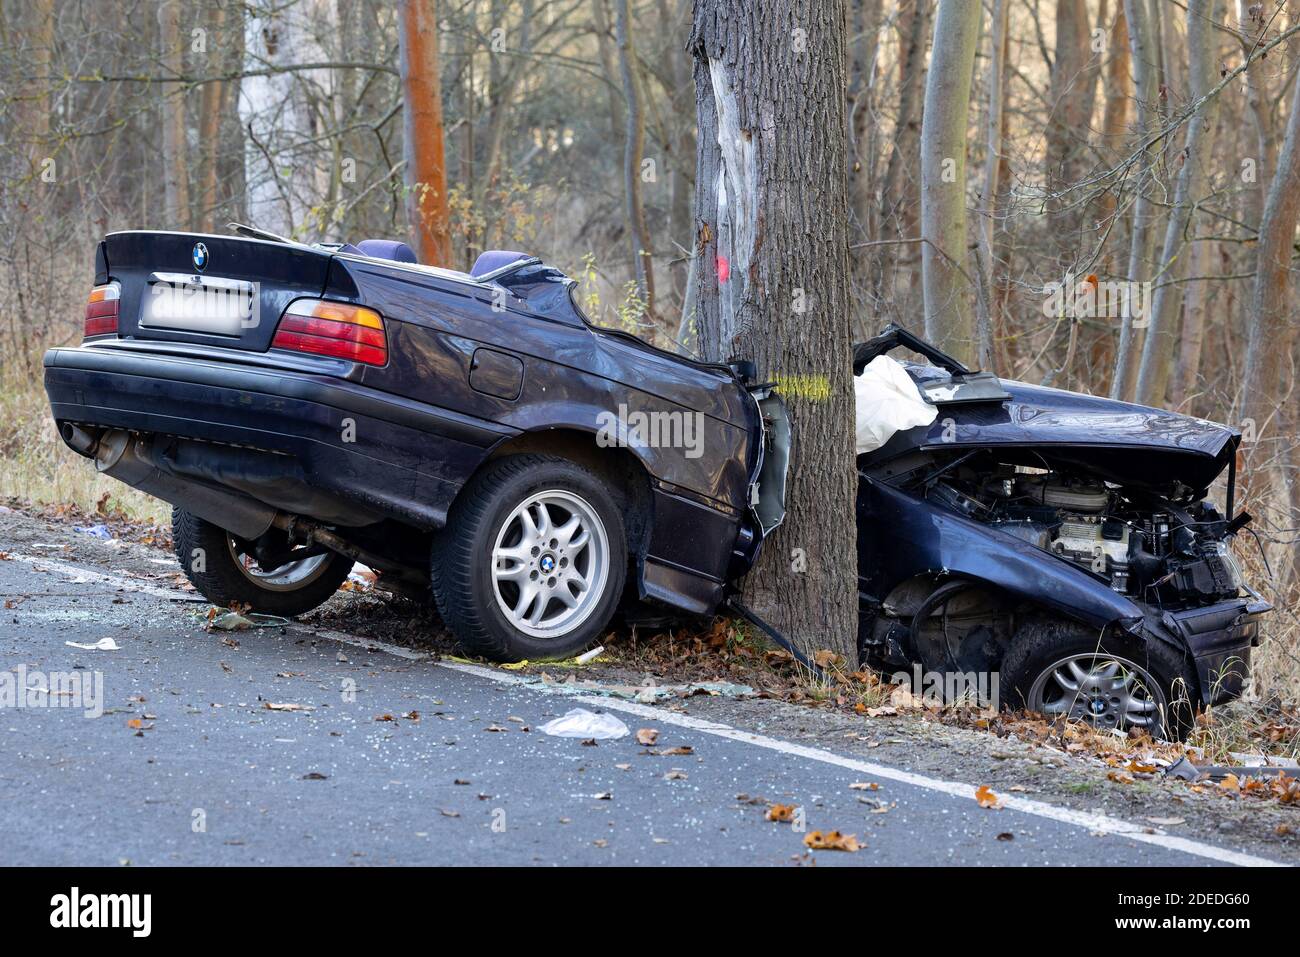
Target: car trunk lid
[{"x": 217, "y": 290}]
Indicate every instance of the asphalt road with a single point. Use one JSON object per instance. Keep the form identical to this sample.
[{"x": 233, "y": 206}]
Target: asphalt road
[{"x": 213, "y": 776}]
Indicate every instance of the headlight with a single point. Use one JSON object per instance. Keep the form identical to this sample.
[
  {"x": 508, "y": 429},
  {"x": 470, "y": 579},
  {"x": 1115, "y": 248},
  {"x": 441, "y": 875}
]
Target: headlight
[{"x": 1224, "y": 552}]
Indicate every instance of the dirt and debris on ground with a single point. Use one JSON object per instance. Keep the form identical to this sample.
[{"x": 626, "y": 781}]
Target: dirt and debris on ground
[{"x": 703, "y": 667}]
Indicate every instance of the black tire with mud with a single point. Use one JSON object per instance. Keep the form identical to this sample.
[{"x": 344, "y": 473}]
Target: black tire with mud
[
  {"x": 1041, "y": 642},
  {"x": 461, "y": 559},
  {"x": 221, "y": 581}
]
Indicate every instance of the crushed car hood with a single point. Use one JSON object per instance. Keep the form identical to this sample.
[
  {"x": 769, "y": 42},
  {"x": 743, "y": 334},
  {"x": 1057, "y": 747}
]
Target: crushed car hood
[{"x": 1131, "y": 445}]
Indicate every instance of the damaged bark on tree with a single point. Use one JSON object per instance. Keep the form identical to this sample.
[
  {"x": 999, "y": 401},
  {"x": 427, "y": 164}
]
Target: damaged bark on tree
[{"x": 771, "y": 234}]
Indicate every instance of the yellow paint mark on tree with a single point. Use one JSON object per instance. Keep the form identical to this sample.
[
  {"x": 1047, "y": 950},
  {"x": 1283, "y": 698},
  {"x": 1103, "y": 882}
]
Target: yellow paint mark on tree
[{"x": 816, "y": 388}]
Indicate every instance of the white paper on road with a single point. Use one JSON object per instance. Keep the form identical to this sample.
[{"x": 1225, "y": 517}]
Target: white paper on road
[
  {"x": 581, "y": 723},
  {"x": 104, "y": 644},
  {"x": 887, "y": 401}
]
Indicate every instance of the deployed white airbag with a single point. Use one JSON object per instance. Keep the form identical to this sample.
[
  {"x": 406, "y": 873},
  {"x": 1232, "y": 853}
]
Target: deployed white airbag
[{"x": 887, "y": 401}]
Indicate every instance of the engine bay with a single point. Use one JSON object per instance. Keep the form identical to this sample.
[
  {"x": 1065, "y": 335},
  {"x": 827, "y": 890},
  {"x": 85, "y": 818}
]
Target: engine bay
[{"x": 1171, "y": 553}]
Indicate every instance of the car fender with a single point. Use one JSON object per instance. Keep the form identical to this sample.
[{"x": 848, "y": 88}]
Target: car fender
[{"x": 901, "y": 536}]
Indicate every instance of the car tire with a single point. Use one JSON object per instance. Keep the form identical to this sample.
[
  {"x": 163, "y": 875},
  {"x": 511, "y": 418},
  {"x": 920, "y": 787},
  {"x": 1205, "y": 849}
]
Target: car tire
[
  {"x": 211, "y": 560},
  {"x": 500, "y": 579},
  {"x": 1118, "y": 682}
]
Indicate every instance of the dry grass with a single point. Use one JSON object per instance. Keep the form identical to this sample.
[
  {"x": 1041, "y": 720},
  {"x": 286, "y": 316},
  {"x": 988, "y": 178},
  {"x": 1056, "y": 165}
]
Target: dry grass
[{"x": 35, "y": 465}]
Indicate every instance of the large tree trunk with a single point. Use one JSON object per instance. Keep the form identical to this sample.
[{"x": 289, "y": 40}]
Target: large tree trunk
[
  {"x": 1161, "y": 343},
  {"x": 949, "y": 321},
  {"x": 633, "y": 152},
  {"x": 176, "y": 187},
  {"x": 772, "y": 214},
  {"x": 426, "y": 165}
]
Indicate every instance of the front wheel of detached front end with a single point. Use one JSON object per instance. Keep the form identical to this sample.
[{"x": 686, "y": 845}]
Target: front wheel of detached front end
[
  {"x": 1062, "y": 669},
  {"x": 532, "y": 561}
]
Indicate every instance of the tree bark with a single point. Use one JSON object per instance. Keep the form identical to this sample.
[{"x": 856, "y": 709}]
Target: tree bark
[
  {"x": 949, "y": 321},
  {"x": 426, "y": 164},
  {"x": 772, "y": 228},
  {"x": 176, "y": 191},
  {"x": 1162, "y": 335},
  {"x": 1145, "y": 60},
  {"x": 633, "y": 153},
  {"x": 1119, "y": 90},
  {"x": 898, "y": 192},
  {"x": 866, "y": 22},
  {"x": 214, "y": 95},
  {"x": 31, "y": 110},
  {"x": 987, "y": 302},
  {"x": 1271, "y": 327},
  {"x": 1072, "y": 92}
]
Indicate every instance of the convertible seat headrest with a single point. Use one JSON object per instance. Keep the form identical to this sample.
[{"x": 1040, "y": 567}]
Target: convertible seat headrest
[
  {"x": 387, "y": 249},
  {"x": 490, "y": 260}
]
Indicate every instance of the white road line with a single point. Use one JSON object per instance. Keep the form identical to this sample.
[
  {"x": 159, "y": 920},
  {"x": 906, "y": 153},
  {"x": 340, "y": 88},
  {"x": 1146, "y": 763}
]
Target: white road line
[
  {"x": 1085, "y": 819},
  {"x": 369, "y": 644},
  {"x": 125, "y": 581}
]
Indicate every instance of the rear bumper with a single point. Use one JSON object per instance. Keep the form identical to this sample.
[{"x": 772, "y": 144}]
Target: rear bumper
[{"x": 402, "y": 459}]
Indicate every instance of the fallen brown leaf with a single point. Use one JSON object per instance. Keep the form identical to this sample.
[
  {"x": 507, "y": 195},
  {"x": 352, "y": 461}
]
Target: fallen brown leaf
[
  {"x": 781, "y": 813},
  {"x": 831, "y": 841}
]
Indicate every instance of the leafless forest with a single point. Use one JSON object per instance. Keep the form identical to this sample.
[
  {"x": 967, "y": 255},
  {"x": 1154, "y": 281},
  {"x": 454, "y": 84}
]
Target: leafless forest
[{"x": 1122, "y": 220}]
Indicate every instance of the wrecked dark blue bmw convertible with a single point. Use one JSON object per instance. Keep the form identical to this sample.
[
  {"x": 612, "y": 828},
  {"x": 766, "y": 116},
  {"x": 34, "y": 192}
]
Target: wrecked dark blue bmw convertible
[{"x": 306, "y": 407}]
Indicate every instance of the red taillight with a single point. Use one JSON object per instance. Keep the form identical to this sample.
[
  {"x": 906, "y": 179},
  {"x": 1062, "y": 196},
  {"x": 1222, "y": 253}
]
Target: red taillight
[
  {"x": 101, "y": 310},
  {"x": 333, "y": 329}
]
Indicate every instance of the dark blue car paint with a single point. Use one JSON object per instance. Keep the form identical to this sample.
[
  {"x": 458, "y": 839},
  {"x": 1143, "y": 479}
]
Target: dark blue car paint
[
  {"x": 902, "y": 536},
  {"x": 1129, "y": 444},
  {"x": 429, "y": 418},
  {"x": 919, "y": 537}
]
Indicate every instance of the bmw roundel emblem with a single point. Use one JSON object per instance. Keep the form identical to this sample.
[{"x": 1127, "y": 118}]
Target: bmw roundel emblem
[{"x": 199, "y": 256}]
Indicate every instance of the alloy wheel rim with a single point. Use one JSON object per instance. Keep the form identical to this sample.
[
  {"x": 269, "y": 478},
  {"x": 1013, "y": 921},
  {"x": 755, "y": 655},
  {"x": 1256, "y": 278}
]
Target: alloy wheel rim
[
  {"x": 550, "y": 563},
  {"x": 1107, "y": 691},
  {"x": 288, "y": 577}
]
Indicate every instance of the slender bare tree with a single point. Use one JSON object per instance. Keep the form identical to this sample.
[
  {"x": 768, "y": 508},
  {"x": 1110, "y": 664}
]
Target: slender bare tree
[
  {"x": 949, "y": 320},
  {"x": 1272, "y": 322},
  {"x": 426, "y": 164},
  {"x": 176, "y": 191},
  {"x": 633, "y": 155},
  {"x": 1161, "y": 342}
]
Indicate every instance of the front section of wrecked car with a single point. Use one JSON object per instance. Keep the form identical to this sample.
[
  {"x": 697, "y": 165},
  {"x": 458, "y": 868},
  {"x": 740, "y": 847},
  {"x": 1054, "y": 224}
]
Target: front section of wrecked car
[{"x": 1022, "y": 502}]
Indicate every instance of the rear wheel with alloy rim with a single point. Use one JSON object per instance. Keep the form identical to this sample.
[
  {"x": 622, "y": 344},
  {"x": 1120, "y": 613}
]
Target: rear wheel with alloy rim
[
  {"x": 532, "y": 561},
  {"x": 226, "y": 572}
]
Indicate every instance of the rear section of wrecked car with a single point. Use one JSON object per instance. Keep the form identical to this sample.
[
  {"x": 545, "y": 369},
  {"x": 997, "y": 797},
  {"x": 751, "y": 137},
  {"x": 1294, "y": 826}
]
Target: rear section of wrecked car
[
  {"x": 293, "y": 452},
  {"x": 1022, "y": 503}
]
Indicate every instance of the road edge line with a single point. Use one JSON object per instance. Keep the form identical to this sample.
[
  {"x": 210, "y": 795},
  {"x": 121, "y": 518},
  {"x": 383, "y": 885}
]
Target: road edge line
[{"x": 1089, "y": 820}]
